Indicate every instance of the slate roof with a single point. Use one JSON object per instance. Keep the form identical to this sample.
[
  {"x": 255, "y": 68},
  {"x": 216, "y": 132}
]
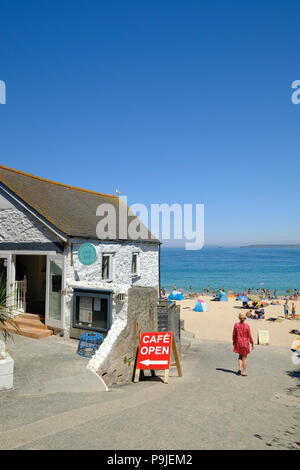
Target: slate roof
[{"x": 71, "y": 210}]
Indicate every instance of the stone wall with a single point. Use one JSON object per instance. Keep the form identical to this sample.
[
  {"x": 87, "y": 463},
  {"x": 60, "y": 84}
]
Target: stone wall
[
  {"x": 168, "y": 319},
  {"x": 117, "y": 366},
  {"x": 17, "y": 225}
]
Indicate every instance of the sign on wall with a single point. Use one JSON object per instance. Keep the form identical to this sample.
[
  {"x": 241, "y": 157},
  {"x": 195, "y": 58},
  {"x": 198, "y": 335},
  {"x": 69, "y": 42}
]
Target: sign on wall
[{"x": 87, "y": 254}]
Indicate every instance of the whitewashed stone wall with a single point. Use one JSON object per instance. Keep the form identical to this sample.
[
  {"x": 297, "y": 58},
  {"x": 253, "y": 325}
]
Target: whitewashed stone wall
[
  {"x": 18, "y": 225},
  {"x": 78, "y": 275},
  {"x": 122, "y": 257}
]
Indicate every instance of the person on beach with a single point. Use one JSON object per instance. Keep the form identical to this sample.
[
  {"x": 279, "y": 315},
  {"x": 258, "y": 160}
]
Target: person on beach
[
  {"x": 260, "y": 313},
  {"x": 296, "y": 294},
  {"x": 163, "y": 293},
  {"x": 241, "y": 337},
  {"x": 293, "y": 311},
  {"x": 286, "y": 309}
]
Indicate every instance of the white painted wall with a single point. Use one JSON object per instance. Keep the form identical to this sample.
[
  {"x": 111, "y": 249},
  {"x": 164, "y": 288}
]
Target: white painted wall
[
  {"x": 122, "y": 258},
  {"x": 18, "y": 225},
  {"x": 78, "y": 275}
]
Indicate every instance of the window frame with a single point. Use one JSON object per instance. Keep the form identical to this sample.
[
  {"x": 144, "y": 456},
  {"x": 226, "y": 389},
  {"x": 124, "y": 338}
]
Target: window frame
[
  {"x": 138, "y": 264},
  {"x": 94, "y": 294},
  {"x": 111, "y": 257}
]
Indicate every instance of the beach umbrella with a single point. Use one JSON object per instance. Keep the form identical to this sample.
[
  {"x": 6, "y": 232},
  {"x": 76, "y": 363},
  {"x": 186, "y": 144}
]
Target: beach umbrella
[
  {"x": 243, "y": 298},
  {"x": 217, "y": 292}
]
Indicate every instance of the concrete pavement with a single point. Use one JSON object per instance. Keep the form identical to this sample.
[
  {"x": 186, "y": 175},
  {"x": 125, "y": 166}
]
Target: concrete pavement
[{"x": 208, "y": 408}]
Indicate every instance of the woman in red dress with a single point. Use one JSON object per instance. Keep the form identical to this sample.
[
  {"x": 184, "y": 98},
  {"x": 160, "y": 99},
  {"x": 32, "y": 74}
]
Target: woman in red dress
[{"x": 241, "y": 337}]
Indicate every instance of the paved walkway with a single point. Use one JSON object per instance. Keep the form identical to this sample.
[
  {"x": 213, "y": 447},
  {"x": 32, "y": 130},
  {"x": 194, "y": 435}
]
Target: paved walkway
[{"x": 57, "y": 403}]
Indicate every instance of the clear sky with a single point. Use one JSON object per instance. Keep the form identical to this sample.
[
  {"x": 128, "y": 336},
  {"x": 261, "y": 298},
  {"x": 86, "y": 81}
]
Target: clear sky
[{"x": 168, "y": 101}]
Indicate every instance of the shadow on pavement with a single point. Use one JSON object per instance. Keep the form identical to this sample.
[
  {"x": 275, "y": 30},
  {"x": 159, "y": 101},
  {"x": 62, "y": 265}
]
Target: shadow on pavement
[{"x": 227, "y": 370}]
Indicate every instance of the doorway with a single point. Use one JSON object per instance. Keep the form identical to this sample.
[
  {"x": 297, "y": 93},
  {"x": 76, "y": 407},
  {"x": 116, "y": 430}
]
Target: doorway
[{"x": 30, "y": 284}]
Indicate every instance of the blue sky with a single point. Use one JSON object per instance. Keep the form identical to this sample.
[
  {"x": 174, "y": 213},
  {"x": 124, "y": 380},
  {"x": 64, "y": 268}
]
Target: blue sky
[{"x": 168, "y": 101}]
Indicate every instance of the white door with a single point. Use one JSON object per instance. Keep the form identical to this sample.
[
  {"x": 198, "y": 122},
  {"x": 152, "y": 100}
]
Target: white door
[{"x": 54, "y": 288}]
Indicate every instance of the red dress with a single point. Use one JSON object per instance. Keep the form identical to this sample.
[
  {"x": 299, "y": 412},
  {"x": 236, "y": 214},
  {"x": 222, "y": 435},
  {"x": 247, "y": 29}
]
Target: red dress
[{"x": 241, "y": 336}]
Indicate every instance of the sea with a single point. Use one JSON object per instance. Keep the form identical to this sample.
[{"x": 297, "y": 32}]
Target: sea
[{"x": 236, "y": 268}]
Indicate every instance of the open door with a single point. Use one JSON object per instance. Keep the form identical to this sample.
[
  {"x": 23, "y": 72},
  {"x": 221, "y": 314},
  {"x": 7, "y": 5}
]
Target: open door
[{"x": 54, "y": 287}]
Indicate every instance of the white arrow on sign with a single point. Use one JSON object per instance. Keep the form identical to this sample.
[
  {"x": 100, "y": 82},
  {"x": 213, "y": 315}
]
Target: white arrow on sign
[{"x": 147, "y": 362}]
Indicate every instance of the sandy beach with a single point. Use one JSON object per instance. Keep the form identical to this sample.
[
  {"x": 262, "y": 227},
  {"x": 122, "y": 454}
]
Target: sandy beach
[{"x": 217, "y": 323}]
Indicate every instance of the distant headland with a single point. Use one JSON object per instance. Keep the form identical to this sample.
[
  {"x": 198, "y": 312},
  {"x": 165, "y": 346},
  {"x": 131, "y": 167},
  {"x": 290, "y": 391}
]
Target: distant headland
[{"x": 272, "y": 246}]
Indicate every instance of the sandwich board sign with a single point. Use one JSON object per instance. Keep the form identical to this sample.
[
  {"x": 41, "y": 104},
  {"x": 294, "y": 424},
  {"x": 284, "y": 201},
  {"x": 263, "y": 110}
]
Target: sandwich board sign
[
  {"x": 155, "y": 352},
  {"x": 263, "y": 337}
]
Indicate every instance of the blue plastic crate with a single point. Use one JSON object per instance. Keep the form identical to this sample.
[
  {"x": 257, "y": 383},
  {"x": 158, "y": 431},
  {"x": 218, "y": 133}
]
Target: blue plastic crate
[{"x": 89, "y": 343}]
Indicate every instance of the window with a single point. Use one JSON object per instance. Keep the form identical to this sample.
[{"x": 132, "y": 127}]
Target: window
[
  {"x": 92, "y": 310},
  {"x": 107, "y": 267},
  {"x": 135, "y": 264}
]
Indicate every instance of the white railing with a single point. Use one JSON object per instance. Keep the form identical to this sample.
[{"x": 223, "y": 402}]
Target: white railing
[{"x": 20, "y": 289}]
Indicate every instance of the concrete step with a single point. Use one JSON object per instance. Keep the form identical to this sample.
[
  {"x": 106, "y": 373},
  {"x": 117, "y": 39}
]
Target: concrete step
[
  {"x": 29, "y": 321},
  {"x": 29, "y": 331},
  {"x": 30, "y": 315}
]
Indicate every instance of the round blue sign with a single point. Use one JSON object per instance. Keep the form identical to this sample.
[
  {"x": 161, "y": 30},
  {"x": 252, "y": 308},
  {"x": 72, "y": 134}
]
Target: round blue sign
[{"x": 87, "y": 254}]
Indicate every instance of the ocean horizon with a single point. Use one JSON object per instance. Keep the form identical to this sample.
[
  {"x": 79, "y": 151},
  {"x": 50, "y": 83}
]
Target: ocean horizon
[{"x": 236, "y": 268}]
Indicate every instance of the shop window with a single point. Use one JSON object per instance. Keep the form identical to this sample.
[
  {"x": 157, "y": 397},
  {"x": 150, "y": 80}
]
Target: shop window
[{"x": 92, "y": 310}]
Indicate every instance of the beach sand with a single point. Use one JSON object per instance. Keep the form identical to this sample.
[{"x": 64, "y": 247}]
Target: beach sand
[{"x": 217, "y": 324}]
